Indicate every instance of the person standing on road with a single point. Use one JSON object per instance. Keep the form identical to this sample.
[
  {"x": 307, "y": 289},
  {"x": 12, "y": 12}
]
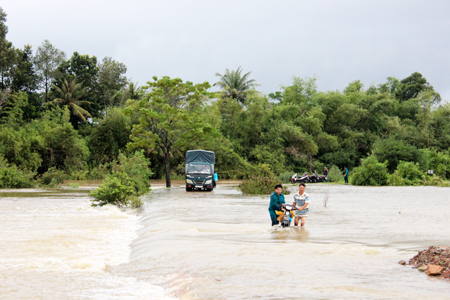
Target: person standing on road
[
  {"x": 346, "y": 174},
  {"x": 276, "y": 200},
  {"x": 301, "y": 202},
  {"x": 325, "y": 172}
]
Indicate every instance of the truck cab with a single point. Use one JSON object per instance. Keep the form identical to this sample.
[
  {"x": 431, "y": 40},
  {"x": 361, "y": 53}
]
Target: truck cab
[{"x": 200, "y": 170}]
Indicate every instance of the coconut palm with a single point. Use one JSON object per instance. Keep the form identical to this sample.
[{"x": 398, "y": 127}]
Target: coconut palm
[
  {"x": 236, "y": 85},
  {"x": 70, "y": 94}
]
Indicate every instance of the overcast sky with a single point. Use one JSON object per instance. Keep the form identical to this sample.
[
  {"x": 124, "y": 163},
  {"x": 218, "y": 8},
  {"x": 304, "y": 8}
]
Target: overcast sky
[{"x": 336, "y": 41}]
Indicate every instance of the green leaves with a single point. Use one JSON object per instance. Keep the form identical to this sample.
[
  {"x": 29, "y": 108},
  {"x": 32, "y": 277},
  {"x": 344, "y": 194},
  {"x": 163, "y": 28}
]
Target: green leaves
[
  {"x": 128, "y": 181},
  {"x": 235, "y": 85},
  {"x": 70, "y": 94},
  {"x": 169, "y": 118},
  {"x": 371, "y": 172}
]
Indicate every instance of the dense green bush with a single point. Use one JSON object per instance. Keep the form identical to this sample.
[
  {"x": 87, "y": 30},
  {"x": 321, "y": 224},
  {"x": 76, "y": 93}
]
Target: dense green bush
[
  {"x": 21, "y": 146},
  {"x": 64, "y": 148},
  {"x": 52, "y": 178},
  {"x": 434, "y": 180},
  {"x": 439, "y": 162},
  {"x": 78, "y": 174},
  {"x": 115, "y": 189},
  {"x": 136, "y": 166},
  {"x": 109, "y": 136},
  {"x": 286, "y": 177},
  {"x": 128, "y": 181},
  {"x": 334, "y": 174},
  {"x": 407, "y": 173},
  {"x": 13, "y": 177},
  {"x": 394, "y": 150},
  {"x": 100, "y": 171},
  {"x": 371, "y": 172},
  {"x": 259, "y": 185}
]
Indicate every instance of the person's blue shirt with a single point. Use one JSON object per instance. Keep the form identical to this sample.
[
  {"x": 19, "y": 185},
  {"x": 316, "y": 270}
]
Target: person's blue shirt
[{"x": 276, "y": 201}]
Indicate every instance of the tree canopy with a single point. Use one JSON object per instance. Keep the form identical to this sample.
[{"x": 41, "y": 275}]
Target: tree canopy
[{"x": 77, "y": 116}]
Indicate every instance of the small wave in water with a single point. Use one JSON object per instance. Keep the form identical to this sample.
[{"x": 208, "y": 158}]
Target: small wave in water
[
  {"x": 54, "y": 245},
  {"x": 219, "y": 245}
]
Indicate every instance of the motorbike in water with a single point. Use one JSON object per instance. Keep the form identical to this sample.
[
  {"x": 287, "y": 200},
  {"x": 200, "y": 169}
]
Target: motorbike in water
[{"x": 285, "y": 214}]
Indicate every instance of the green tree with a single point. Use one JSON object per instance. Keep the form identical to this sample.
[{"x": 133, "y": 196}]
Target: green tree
[
  {"x": 70, "y": 94},
  {"x": 24, "y": 79},
  {"x": 390, "y": 87},
  {"x": 131, "y": 92},
  {"x": 413, "y": 85},
  {"x": 236, "y": 85},
  {"x": 64, "y": 149},
  {"x": 407, "y": 173},
  {"x": 7, "y": 53},
  {"x": 20, "y": 142},
  {"x": 111, "y": 79},
  {"x": 354, "y": 87},
  {"x": 371, "y": 172},
  {"x": 81, "y": 68},
  {"x": 302, "y": 92},
  {"x": 46, "y": 62},
  {"x": 4, "y": 95},
  {"x": 441, "y": 127},
  {"x": 393, "y": 150},
  {"x": 109, "y": 136},
  {"x": 169, "y": 118}
]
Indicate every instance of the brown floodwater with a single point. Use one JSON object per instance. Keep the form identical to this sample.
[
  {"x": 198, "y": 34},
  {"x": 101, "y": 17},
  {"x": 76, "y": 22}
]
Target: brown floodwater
[{"x": 220, "y": 245}]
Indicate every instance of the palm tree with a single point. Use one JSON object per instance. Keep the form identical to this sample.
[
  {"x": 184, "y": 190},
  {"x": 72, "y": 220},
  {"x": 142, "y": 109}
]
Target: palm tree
[
  {"x": 70, "y": 94},
  {"x": 132, "y": 92},
  {"x": 236, "y": 85}
]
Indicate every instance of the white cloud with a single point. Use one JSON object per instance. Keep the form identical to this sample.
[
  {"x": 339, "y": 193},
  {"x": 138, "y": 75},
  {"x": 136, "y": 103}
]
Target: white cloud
[{"x": 340, "y": 41}]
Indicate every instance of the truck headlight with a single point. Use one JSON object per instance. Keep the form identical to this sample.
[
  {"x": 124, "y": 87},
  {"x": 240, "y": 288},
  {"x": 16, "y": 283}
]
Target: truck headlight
[
  {"x": 189, "y": 181},
  {"x": 208, "y": 181}
]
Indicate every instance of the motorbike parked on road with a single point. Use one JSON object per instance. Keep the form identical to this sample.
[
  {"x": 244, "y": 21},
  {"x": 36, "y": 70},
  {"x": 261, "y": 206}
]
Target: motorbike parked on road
[
  {"x": 313, "y": 178},
  {"x": 304, "y": 178},
  {"x": 322, "y": 178}
]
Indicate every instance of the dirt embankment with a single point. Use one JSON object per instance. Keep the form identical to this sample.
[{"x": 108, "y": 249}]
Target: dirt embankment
[{"x": 434, "y": 260}]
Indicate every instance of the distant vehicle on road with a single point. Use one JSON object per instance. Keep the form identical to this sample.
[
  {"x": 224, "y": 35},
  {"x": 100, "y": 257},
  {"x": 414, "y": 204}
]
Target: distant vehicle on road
[{"x": 199, "y": 170}]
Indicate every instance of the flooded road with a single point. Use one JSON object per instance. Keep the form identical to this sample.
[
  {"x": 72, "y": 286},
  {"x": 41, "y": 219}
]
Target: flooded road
[
  {"x": 219, "y": 245},
  {"x": 54, "y": 245}
]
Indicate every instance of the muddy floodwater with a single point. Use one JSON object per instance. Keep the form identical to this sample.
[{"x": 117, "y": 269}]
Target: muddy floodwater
[{"x": 219, "y": 245}]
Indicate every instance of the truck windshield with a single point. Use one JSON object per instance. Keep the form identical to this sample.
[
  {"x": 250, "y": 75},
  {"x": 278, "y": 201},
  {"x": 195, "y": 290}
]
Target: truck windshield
[{"x": 199, "y": 168}]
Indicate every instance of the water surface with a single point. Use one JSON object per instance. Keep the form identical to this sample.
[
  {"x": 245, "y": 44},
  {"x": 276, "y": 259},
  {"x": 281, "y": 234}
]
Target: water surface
[{"x": 219, "y": 245}]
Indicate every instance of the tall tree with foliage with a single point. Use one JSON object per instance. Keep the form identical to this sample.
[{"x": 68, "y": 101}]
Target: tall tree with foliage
[
  {"x": 413, "y": 85},
  {"x": 23, "y": 76},
  {"x": 83, "y": 69},
  {"x": 169, "y": 118},
  {"x": 111, "y": 79},
  {"x": 7, "y": 53},
  {"x": 46, "y": 62},
  {"x": 23, "y": 79},
  {"x": 70, "y": 95},
  {"x": 236, "y": 85}
]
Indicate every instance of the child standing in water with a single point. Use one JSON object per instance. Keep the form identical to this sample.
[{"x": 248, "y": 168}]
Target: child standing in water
[{"x": 301, "y": 201}]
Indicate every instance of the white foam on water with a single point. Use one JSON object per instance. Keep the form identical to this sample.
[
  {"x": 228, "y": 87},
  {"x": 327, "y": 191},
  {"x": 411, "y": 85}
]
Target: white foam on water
[{"x": 62, "y": 248}]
